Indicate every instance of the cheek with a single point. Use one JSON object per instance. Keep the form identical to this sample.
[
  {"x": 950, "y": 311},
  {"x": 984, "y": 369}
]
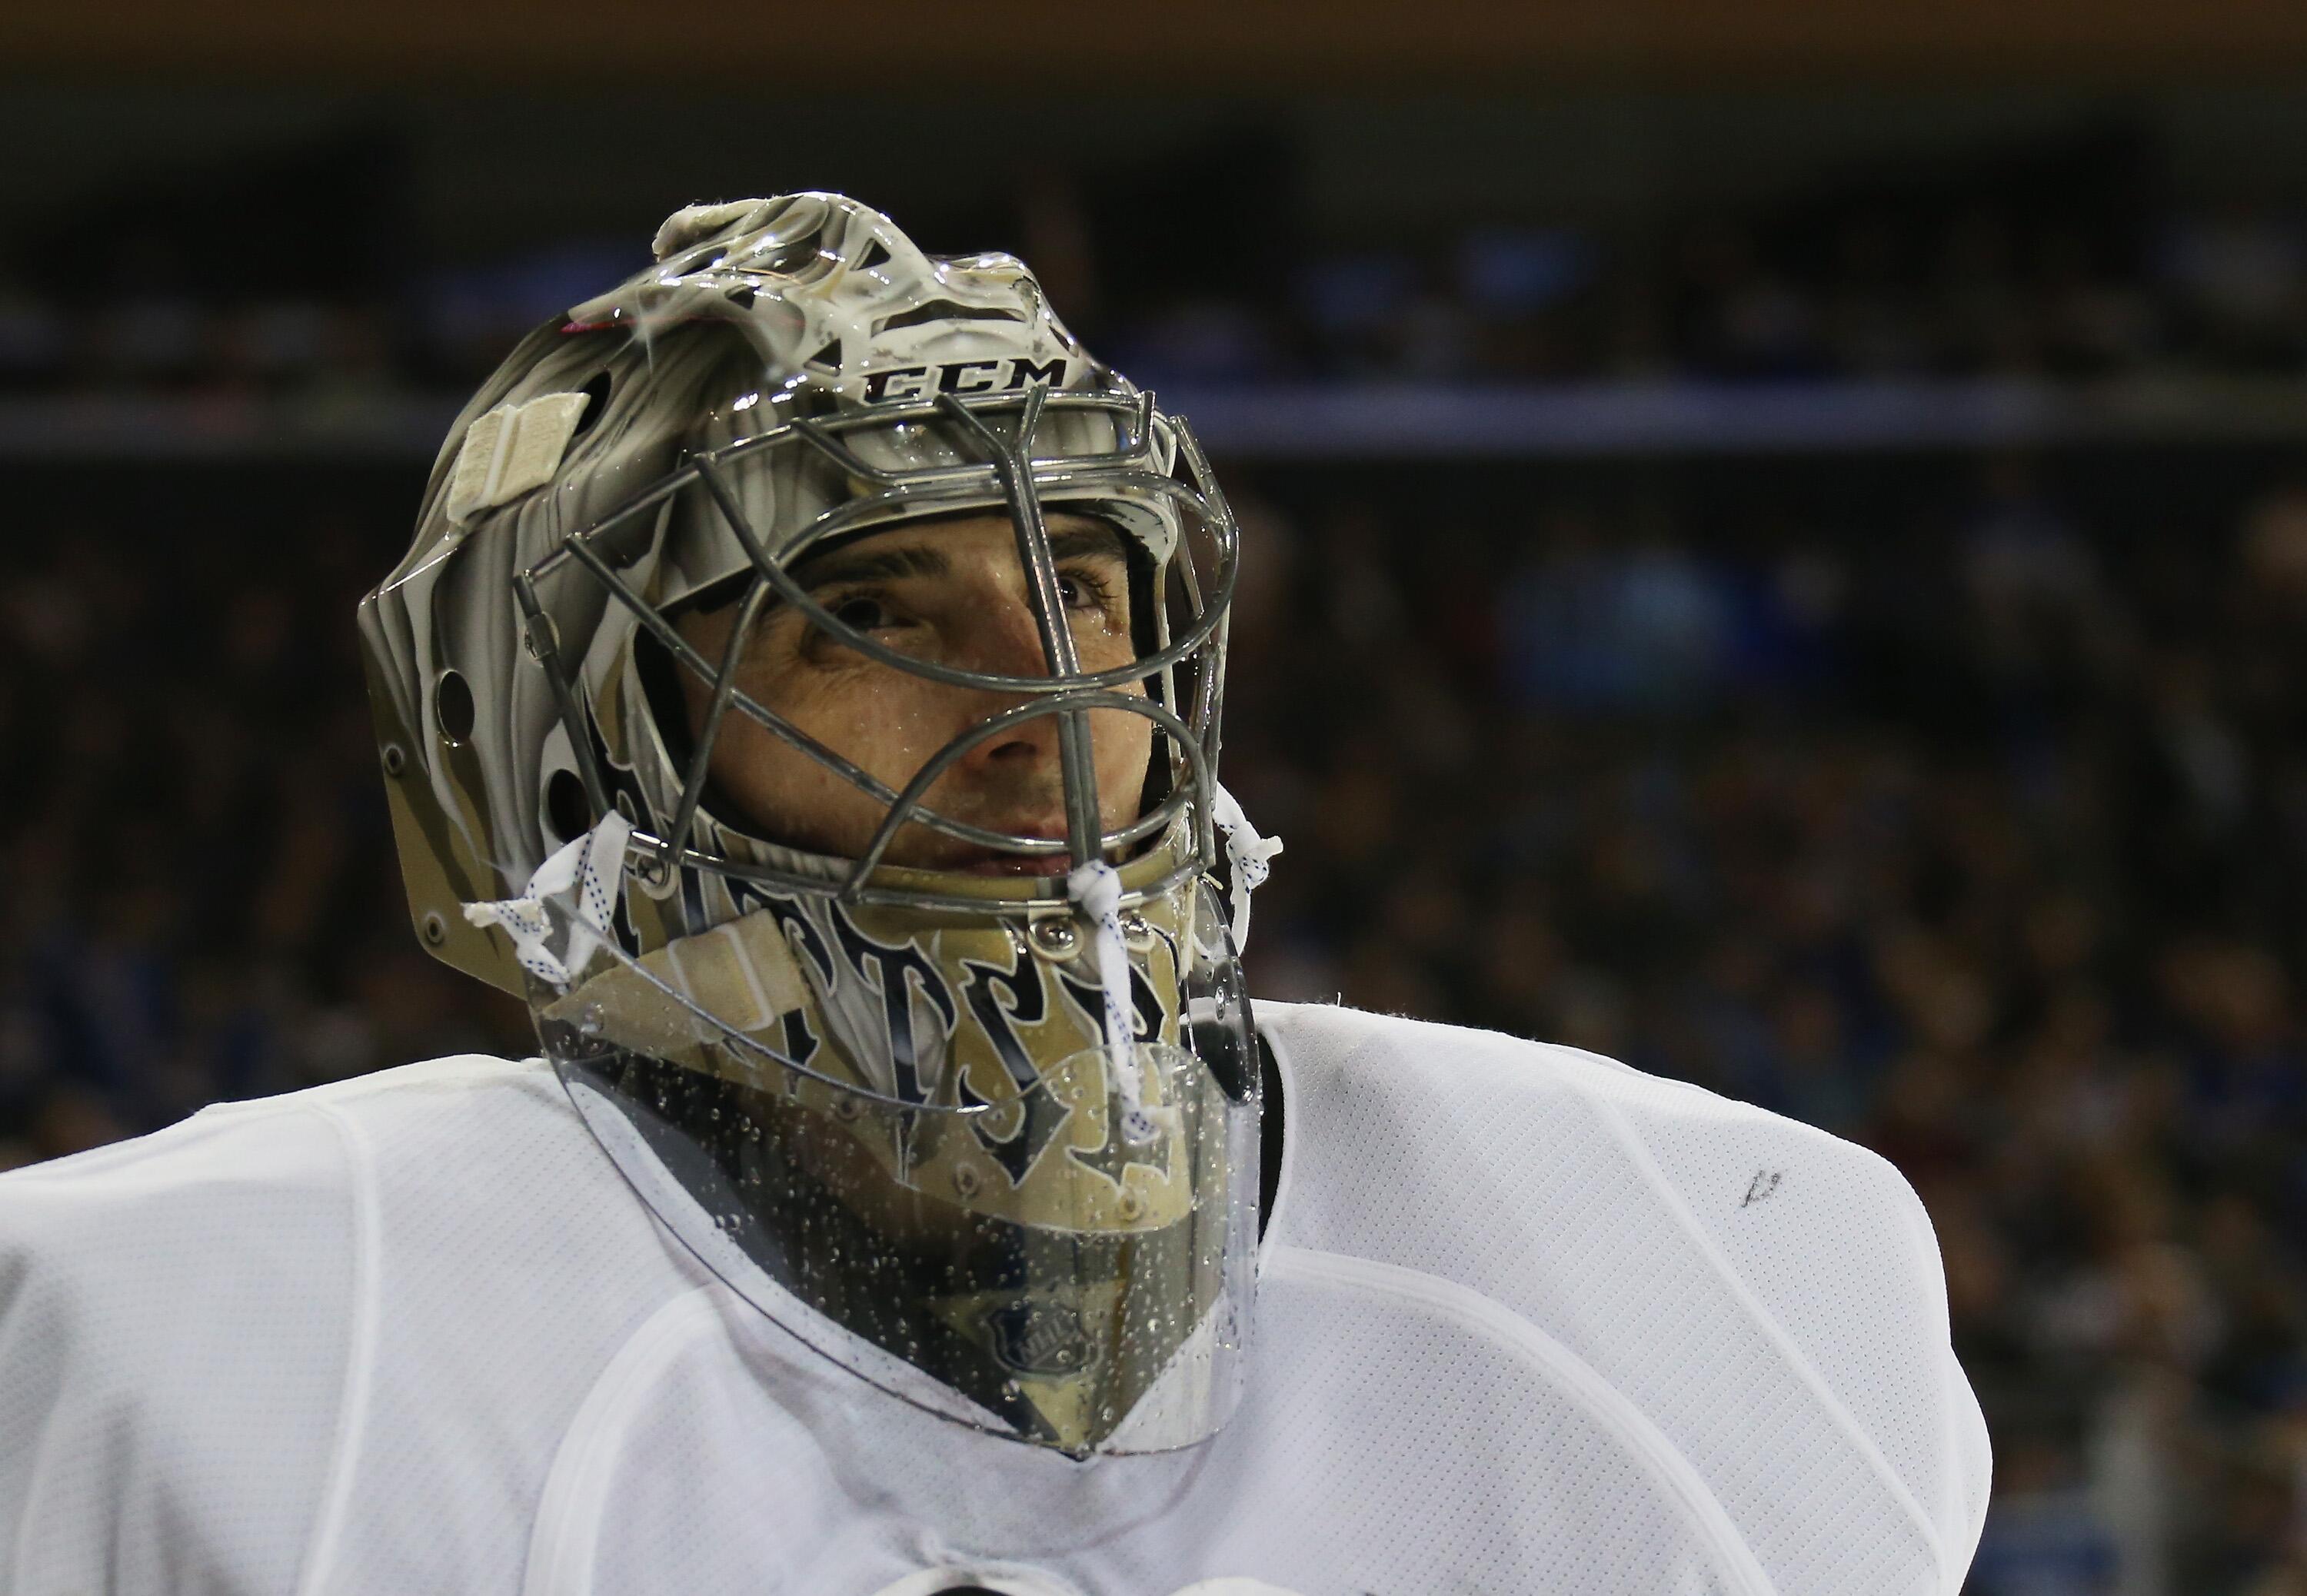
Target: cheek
[
  {"x": 1125, "y": 742},
  {"x": 878, "y": 717},
  {"x": 1101, "y": 646},
  {"x": 1125, "y": 746}
]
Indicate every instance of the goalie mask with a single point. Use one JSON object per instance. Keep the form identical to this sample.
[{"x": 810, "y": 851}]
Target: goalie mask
[{"x": 981, "y": 1130}]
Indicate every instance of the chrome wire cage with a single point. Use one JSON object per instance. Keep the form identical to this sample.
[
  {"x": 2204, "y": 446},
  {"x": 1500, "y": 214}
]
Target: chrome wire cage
[{"x": 1190, "y": 608}]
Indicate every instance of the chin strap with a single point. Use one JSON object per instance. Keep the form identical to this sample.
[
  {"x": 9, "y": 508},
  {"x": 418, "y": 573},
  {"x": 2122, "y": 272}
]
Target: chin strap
[
  {"x": 1250, "y": 855},
  {"x": 1096, "y": 887},
  {"x": 594, "y": 866}
]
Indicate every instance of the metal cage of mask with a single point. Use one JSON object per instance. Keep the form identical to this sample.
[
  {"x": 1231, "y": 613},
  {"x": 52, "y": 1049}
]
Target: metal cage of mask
[{"x": 1005, "y": 474}]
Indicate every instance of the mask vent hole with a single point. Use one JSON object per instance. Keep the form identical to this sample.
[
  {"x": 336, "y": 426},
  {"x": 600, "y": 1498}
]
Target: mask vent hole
[
  {"x": 596, "y": 400},
  {"x": 452, "y": 707},
  {"x": 943, "y": 309},
  {"x": 566, "y": 812},
  {"x": 786, "y": 259}
]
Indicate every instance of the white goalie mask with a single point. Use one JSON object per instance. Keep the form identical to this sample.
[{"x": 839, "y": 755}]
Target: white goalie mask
[{"x": 988, "y": 1139}]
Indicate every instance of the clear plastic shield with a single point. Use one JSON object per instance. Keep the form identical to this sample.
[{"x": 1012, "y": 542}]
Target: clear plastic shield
[{"x": 984, "y": 1241}]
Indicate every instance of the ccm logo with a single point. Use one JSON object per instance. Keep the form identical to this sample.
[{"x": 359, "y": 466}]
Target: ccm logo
[{"x": 963, "y": 377}]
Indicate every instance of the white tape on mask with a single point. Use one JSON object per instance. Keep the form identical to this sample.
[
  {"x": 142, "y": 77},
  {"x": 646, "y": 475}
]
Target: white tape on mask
[{"x": 510, "y": 451}]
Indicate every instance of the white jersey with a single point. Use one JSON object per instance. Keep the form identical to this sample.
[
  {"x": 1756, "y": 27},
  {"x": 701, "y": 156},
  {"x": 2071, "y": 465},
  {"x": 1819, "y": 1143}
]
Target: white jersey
[{"x": 1528, "y": 1321}]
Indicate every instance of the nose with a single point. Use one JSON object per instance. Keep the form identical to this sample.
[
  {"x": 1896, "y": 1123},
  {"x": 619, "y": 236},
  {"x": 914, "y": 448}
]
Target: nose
[{"x": 1002, "y": 637}]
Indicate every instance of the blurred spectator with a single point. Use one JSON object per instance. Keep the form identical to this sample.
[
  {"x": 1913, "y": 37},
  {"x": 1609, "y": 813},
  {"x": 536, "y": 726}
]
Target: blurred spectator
[{"x": 2044, "y": 1536}]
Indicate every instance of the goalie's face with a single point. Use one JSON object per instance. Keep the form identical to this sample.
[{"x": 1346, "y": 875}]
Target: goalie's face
[
  {"x": 951, "y": 590},
  {"x": 988, "y": 1142}
]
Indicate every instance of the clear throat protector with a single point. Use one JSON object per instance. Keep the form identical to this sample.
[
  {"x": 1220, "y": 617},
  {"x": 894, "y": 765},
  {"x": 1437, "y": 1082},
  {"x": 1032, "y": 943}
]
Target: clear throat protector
[{"x": 967, "y": 1217}]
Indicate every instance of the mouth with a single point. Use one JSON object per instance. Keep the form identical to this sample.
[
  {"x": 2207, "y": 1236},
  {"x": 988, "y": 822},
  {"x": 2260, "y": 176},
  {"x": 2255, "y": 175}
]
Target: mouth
[{"x": 987, "y": 861}]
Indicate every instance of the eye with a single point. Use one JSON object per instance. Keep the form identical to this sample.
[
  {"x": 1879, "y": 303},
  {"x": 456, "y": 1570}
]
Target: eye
[
  {"x": 1083, "y": 590},
  {"x": 860, "y": 612}
]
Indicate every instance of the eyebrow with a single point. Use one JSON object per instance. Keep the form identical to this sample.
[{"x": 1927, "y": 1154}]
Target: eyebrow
[{"x": 926, "y": 560}]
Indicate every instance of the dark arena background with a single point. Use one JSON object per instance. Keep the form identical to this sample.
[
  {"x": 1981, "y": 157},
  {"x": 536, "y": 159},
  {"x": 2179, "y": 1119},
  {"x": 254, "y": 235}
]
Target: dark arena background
[{"x": 1777, "y": 552}]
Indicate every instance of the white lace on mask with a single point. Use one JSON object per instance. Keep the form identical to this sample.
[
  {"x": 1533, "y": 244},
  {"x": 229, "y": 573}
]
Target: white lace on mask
[
  {"x": 1097, "y": 888},
  {"x": 1251, "y": 856},
  {"x": 590, "y": 873}
]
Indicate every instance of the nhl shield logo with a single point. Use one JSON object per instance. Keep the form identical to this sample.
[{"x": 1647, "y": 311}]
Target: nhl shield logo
[{"x": 1041, "y": 1339}]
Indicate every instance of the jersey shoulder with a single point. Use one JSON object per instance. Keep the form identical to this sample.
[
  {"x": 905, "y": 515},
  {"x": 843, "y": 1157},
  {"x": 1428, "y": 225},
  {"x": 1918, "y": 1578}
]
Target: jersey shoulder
[
  {"x": 288, "y": 1147},
  {"x": 300, "y": 1197},
  {"x": 181, "y": 1320},
  {"x": 1655, "y": 1229},
  {"x": 1437, "y": 1097}
]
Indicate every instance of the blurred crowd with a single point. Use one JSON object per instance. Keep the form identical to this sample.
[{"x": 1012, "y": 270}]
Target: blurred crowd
[
  {"x": 1961, "y": 820},
  {"x": 2082, "y": 284},
  {"x": 1858, "y": 294},
  {"x": 204, "y": 902},
  {"x": 1972, "y": 832}
]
